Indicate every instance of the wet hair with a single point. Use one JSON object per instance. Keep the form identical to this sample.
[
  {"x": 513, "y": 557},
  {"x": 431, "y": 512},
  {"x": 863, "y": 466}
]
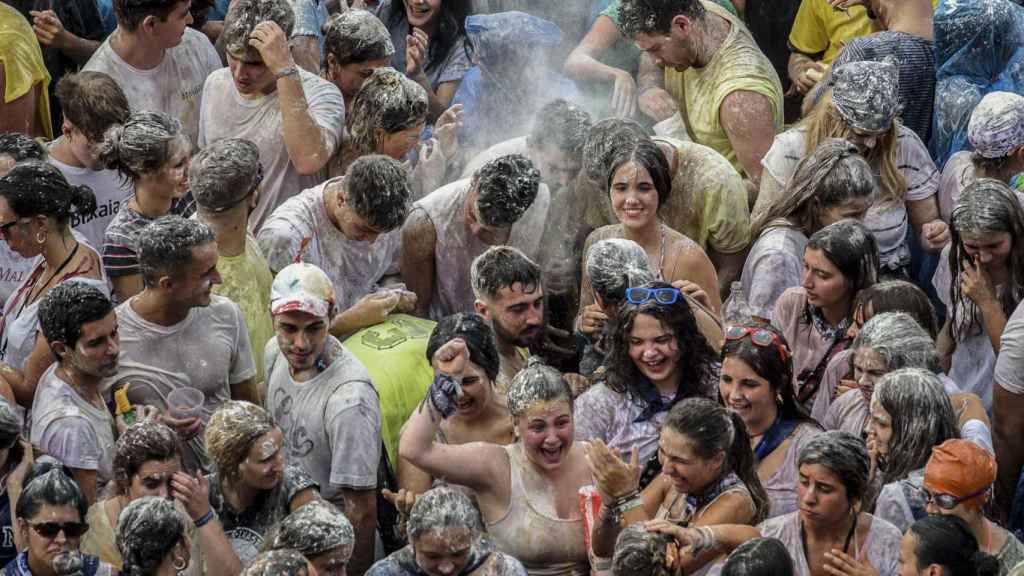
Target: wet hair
[
  {"x": 537, "y": 382},
  {"x": 316, "y": 527},
  {"x": 641, "y": 553},
  {"x": 442, "y": 508},
  {"x": 845, "y": 455},
  {"x": 759, "y": 557},
  {"x": 148, "y": 529},
  {"x": 67, "y": 307},
  {"x": 230, "y": 434},
  {"x": 922, "y": 418},
  {"x": 92, "y": 102},
  {"x": 506, "y": 188},
  {"x": 20, "y": 147},
  {"x": 899, "y": 296},
  {"x": 824, "y": 122},
  {"x": 377, "y": 190},
  {"x": 10, "y": 429},
  {"x": 165, "y": 245},
  {"x": 131, "y": 13},
  {"x": 388, "y": 101},
  {"x": 477, "y": 335},
  {"x": 563, "y": 125},
  {"x": 655, "y": 16},
  {"x": 451, "y": 29},
  {"x": 698, "y": 373},
  {"x": 711, "y": 429},
  {"x": 851, "y": 248},
  {"x": 356, "y": 36},
  {"x": 947, "y": 540},
  {"x": 986, "y": 206},
  {"x": 834, "y": 173},
  {"x": 615, "y": 264},
  {"x": 245, "y": 16},
  {"x": 142, "y": 145},
  {"x": 502, "y": 267},
  {"x": 606, "y": 138},
  {"x": 143, "y": 442},
  {"x": 283, "y": 562},
  {"x": 900, "y": 341},
  {"x": 38, "y": 188},
  {"x": 770, "y": 365},
  {"x": 49, "y": 484},
  {"x": 224, "y": 174},
  {"x": 644, "y": 154}
]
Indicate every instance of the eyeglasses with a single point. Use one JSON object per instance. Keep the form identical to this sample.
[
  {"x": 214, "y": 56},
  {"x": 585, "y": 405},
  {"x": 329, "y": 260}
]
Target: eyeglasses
[
  {"x": 641, "y": 295},
  {"x": 948, "y": 501},
  {"x": 761, "y": 337},
  {"x": 52, "y": 529}
]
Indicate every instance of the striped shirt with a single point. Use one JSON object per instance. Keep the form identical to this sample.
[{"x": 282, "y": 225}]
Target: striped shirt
[{"x": 120, "y": 242}]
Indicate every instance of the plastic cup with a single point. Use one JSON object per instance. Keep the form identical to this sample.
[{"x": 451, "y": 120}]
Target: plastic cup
[
  {"x": 185, "y": 402},
  {"x": 590, "y": 504}
]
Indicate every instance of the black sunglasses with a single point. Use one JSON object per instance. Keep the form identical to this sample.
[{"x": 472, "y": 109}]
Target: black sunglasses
[{"x": 52, "y": 529}]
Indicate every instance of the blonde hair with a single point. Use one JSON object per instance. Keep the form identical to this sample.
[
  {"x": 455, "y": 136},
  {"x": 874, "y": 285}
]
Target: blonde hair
[{"x": 824, "y": 122}]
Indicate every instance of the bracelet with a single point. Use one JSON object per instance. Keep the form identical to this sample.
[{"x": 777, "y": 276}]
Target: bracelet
[
  {"x": 289, "y": 71},
  {"x": 205, "y": 519},
  {"x": 707, "y": 539}
]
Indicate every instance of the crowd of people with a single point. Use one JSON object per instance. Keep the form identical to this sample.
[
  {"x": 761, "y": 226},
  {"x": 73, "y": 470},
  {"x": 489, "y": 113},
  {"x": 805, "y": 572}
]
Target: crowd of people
[{"x": 512, "y": 287}]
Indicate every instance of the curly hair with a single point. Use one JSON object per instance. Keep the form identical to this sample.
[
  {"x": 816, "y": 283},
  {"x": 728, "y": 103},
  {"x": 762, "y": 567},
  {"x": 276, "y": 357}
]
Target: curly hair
[
  {"x": 147, "y": 530},
  {"x": 388, "y": 101},
  {"x": 143, "y": 442},
  {"x": 697, "y": 374}
]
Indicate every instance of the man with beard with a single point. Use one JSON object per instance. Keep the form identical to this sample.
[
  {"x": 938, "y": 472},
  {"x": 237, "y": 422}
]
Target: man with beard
[
  {"x": 510, "y": 297},
  {"x": 70, "y": 421},
  {"x": 322, "y": 398}
]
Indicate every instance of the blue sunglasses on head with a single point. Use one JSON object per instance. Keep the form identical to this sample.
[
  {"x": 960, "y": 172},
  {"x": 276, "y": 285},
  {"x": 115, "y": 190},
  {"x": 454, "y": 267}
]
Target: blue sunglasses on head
[{"x": 642, "y": 295}]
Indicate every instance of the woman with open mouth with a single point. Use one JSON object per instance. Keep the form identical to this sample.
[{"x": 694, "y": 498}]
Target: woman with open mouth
[
  {"x": 527, "y": 491},
  {"x": 707, "y": 477},
  {"x": 645, "y": 373},
  {"x": 756, "y": 382}
]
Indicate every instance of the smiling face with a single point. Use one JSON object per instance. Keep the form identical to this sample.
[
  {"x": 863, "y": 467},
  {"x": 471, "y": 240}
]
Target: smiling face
[
  {"x": 655, "y": 351},
  {"x": 824, "y": 284},
  {"x": 194, "y": 283},
  {"x": 421, "y": 13},
  {"x": 171, "y": 180},
  {"x": 633, "y": 196},
  {"x": 746, "y": 392},
  {"x": 993, "y": 248},
  {"x": 443, "y": 552},
  {"x": 476, "y": 392},
  {"x": 821, "y": 496},
  {"x": 263, "y": 467},
  {"x": 680, "y": 461},
  {"x": 547, "y": 431}
]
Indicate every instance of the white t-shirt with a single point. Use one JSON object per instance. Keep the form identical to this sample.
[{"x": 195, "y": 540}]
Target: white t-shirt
[
  {"x": 300, "y": 228},
  {"x": 110, "y": 190},
  {"x": 208, "y": 350},
  {"x": 226, "y": 114},
  {"x": 174, "y": 87},
  {"x": 1008, "y": 373},
  {"x": 13, "y": 270}
]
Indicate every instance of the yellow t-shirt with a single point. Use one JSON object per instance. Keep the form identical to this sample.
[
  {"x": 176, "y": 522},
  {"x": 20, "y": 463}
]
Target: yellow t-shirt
[
  {"x": 821, "y": 28},
  {"x": 395, "y": 355},
  {"x": 23, "y": 64},
  {"x": 247, "y": 281},
  {"x": 738, "y": 65}
]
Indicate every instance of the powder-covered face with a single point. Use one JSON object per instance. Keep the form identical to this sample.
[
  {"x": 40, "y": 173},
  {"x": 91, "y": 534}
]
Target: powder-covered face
[
  {"x": 154, "y": 479},
  {"x": 398, "y": 144},
  {"x": 992, "y": 248},
  {"x": 476, "y": 392},
  {"x": 880, "y": 428},
  {"x": 252, "y": 78},
  {"x": 557, "y": 167},
  {"x": 516, "y": 314},
  {"x": 547, "y": 432},
  {"x": 667, "y": 50},
  {"x": 443, "y": 552},
  {"x": 746, "y": 392},
  {"x": 682, "y": 464},
  {"x": 821, "y": 496},
  {"x": 169, "y": 32},
  {"x": 333, "y": 562},
  {"x": 97, "y": 349},
  {"x": 302, "y": 338},
  {"x": 351, "y": 224},
  {"x": 824, "y": 284},
  {"x": 868, "y": 369},
  {"x": 349, "y": 78},
  {"x": 171, "y": 180},
  {"x": 44, "y": 549},
  {"x": 263, "y": 467},
  {"x": 194, "y": 283},
  {"x": 654, "y": 349},
  {"x": 633, "y": 196}
]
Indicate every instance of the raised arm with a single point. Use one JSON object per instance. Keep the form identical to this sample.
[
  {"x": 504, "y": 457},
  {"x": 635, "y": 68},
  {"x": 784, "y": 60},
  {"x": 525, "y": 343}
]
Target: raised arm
[
  {"x": 583, "y": 64},
  {"x": 417, "y": 264}
]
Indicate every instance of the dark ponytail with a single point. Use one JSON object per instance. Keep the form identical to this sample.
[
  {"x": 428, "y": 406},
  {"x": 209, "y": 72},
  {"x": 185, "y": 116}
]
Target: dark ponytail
[
  {"x": 712, "y": 429},
  {"x": 34, "y": 188}
]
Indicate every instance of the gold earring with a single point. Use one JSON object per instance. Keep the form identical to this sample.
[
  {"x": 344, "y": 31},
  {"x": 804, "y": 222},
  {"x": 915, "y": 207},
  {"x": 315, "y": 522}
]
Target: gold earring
[
  {"x": 179, "y": 564},
  {"x": 41, "y": 237}
]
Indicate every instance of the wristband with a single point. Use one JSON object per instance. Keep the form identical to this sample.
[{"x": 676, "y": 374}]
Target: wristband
[
  {"x": 204, "y": 519},
  {"x": 289, "y": 71},
  {"x": 707, "y": 539},
  {"x": 442, "y": 394}
]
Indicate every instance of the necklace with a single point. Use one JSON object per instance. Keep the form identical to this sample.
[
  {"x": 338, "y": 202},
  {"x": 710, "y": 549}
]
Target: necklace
[
  {"x": 31, "y": 293},
  {"x": 846, "y": 545}
]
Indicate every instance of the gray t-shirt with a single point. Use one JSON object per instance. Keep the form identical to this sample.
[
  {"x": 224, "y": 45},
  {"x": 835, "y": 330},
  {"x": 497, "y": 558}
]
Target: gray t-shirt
[
  {"x": 208, "y": 350},
  {"x": 111, "y": 190},
  {"x": 775, "y": 263},
  {"x": 226, "y": 114},
  {"x": 71, "y": 429},
  {"x": 1008, "y": 373},
  {"x": 331, "y": 423}
]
